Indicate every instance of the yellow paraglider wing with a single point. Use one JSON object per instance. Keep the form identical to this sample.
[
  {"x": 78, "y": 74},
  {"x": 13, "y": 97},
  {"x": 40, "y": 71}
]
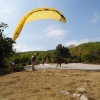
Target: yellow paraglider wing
[{"x": 39, "y": 13}]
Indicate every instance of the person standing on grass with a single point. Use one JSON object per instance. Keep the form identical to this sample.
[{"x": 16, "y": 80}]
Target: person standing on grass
[
  {"x": 33, "y": 61},
  {"x": 58, "y": 61}
]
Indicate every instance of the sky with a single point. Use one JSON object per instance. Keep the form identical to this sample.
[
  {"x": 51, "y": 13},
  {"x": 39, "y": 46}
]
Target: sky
[{"x": 82, "y": 26}]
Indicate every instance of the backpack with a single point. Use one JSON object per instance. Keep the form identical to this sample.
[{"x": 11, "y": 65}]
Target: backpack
[{"x": 33, "y": 58}]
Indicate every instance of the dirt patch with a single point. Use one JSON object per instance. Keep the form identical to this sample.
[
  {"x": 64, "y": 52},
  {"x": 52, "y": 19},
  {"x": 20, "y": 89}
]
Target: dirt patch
[{"x": 49, "y": 84}]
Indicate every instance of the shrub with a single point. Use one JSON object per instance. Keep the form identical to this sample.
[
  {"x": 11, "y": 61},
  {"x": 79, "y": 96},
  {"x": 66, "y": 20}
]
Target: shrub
[
  {"x": 22, "y": 64},
  {"x": 4, "y": 71},
  {"x": 17, "y": 68}
]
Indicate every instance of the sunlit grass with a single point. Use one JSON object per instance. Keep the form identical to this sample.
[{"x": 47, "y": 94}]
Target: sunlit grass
[{"x": 50, "y": 85}]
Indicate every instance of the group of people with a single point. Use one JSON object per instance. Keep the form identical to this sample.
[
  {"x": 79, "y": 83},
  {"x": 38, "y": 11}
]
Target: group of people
[{"x": 33, "y": 58}]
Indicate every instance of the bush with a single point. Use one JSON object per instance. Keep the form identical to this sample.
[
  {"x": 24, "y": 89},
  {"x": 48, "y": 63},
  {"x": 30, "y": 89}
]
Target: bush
[
  {"x": 4, "y": 71},
  {"x": 17, "y": 68},
  {"x": 22, "y": 64}
]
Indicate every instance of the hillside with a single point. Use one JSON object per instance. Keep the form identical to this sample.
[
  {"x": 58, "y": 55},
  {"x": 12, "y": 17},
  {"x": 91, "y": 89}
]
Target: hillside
[{"x": 84, "y": 48}]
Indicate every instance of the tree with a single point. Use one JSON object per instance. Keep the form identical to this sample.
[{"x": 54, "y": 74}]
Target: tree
[
  {"x": 71, "y": 46},
  {"x": 62, "y": 51},
  {"x": 6, "y": 45}
]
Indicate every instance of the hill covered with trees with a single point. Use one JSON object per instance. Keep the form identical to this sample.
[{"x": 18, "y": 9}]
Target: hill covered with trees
[{"x": 86, "y": 52}]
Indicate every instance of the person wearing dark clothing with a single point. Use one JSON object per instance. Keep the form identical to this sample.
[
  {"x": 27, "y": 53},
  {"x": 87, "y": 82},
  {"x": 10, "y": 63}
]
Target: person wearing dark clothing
[{"x": 58, "y": 61}]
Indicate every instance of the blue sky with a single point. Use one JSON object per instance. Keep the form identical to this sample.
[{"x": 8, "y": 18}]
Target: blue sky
[{"x": 83, "y": 23}]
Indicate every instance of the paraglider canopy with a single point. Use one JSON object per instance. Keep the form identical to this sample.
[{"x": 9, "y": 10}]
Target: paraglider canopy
[{"x": 35, "y": 14}]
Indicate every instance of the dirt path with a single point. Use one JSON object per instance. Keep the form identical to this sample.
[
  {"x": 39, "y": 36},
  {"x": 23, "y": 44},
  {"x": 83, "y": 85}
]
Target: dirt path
[{"x": 73, "y": 66}]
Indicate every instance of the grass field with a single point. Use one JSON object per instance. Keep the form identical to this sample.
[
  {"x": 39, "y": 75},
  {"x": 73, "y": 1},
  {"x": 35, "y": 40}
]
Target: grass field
[{"x": 50, "y": 85}]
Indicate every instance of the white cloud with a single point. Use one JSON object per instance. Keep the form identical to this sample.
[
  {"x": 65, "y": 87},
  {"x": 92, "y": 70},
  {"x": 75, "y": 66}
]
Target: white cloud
[
  {"x": 57, "y": 33},
  {"x": 50, "y": 28},
  {"x": 20, "y": 48},
  {"x": 25, "y": 48},
  {"x": 95, "y": 14},
  {"x": 96, "y": 18},
  {"x": 74, "y": 42},
  {"x": 54, "y": 32},
  {"x": 7, "y": 10},
  {"x": 85, "y": 41}
]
